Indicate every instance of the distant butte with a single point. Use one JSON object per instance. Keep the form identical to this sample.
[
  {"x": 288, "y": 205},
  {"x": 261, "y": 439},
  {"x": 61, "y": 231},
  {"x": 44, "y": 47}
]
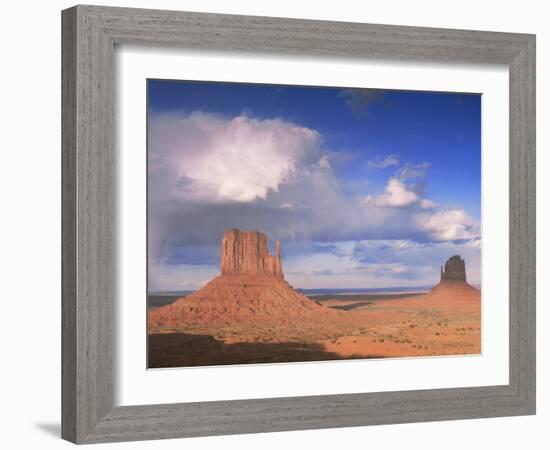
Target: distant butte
[
  {"x": 453, "y": 276},
  {"x": 455, "y": 269}
]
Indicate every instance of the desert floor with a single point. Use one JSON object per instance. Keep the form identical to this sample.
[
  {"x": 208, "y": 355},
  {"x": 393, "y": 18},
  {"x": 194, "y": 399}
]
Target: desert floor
[{"x": 443, "y": 322}]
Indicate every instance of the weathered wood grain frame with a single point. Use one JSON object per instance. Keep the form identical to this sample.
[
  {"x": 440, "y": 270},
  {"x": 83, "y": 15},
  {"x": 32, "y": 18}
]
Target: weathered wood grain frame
[{"x": 89, "y": 37}]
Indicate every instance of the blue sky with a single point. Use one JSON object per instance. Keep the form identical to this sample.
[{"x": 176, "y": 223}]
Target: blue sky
[{"x": 365, "y": 188}]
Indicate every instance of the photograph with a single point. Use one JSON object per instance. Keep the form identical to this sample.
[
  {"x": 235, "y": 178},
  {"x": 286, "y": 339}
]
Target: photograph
[
  {"x": 262, "y": 225},
  {"x": 303, "y": 223}
]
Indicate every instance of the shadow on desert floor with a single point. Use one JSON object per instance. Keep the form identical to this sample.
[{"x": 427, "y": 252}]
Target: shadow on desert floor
[{"x": 184, "y": 350}]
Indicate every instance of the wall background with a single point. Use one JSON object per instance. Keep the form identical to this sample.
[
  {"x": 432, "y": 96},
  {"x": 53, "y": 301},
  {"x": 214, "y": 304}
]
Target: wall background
[{"x": 30, "y": 225}]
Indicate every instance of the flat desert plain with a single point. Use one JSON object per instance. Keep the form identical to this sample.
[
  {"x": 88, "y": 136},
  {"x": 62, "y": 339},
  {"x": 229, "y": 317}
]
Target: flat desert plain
[{"x": 444, "y": 321}]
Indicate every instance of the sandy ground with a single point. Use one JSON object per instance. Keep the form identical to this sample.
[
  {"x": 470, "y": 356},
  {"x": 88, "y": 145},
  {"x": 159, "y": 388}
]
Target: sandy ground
[
  {"x": 446, "y": 321},
  {"x": 432, "y": 324}
]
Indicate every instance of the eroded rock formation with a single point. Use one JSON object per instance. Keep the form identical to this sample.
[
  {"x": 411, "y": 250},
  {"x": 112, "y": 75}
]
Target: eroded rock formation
[
  {"x": 455, "y": 269},
  {"x": 453, "y": 279},
  {"x": 246, "y": 252},
  {"x": 251, "y": 289}
]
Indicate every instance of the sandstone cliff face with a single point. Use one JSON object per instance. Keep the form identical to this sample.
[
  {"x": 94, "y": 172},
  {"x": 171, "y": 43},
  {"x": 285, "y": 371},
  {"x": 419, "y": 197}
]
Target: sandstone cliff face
[
  {"x": 455, "y": 269},
  {"x": 246, "y": 252}
]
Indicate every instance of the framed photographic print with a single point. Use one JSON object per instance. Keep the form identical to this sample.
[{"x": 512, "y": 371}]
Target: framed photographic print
[
  {"x": 255, "y": 208},
  {"x": 362, "y": 240}
]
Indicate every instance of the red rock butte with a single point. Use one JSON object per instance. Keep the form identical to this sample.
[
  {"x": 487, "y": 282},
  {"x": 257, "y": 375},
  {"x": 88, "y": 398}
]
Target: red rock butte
[
  {"x": 251, "y": 287},
  {"x": 246, "y": 252},
  {"x": 455, "y": 269},
  {"x": 453, "y": 279}
]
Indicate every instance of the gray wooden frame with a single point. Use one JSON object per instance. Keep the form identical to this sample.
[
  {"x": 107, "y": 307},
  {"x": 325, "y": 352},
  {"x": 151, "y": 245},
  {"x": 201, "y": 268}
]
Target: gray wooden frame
[{"x": 89, "y": 37}]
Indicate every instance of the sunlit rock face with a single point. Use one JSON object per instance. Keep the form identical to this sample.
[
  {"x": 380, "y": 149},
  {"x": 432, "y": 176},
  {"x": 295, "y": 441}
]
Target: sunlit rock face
[{"x": 246, "y": 252}]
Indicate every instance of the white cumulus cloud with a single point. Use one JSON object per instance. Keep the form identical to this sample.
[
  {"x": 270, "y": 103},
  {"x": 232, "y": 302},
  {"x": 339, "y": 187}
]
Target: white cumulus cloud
[
  {"x": 396, "y": 195},
  {"x": 208, "y": 157},
  {"x": 449, "y": 224}
]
